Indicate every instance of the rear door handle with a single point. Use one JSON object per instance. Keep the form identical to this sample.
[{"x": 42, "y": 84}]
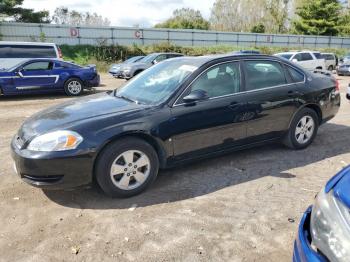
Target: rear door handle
[{"x": 294, "y": 93}]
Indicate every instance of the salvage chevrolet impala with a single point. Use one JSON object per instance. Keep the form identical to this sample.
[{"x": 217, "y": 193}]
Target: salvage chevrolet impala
[{"x": 178, "y": 110}]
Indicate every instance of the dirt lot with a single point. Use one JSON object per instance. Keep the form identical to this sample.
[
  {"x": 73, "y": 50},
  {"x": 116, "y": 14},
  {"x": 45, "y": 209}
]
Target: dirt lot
[{"x": 238, "y": 207}]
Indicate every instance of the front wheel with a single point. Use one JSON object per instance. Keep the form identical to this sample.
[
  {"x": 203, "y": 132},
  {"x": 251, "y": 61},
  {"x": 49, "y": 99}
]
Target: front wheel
[
  {"x": 303, "y": 129},
  {"x": 126, "y": 167},
  {"x": 330, "y": 68},
  {"x": 73, "y": 87}
]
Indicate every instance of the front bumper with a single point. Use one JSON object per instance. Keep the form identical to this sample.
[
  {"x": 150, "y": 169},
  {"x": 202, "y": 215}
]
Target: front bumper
[
  {"x": 343, "y": 72},
  {"x": 95, "y": 82},
  {"x": 303, "y": 251},
  {"x": 54, "y": 170},
  {"x": 116, "y": 73}
]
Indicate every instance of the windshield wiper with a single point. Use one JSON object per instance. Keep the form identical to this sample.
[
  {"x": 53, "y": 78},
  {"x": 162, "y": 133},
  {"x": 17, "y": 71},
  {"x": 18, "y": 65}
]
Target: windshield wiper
[{"x": 125, "y": 98}]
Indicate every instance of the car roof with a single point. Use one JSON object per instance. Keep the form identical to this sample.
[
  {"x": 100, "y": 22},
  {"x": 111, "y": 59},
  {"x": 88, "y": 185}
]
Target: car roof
[
  {"x": 166, "y": 53},
  {"x": 26, "y": 43},
  {"x": 209, "y": 58},
  {"x": 43, "y": 59}
]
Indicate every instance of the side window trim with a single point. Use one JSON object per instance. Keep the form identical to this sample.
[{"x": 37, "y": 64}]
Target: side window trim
[
  {"x": 290, "y": 76},
  {"x": 205, "y": 71}
]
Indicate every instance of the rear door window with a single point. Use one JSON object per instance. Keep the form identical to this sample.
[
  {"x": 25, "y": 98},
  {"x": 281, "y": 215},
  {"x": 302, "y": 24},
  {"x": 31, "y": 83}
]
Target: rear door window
[
  {"x": 263, "y": 74},
  {"x": 318, "y": 55},
  {"x": 27, "y": 51},
  {"x": 306, "y": 57}
]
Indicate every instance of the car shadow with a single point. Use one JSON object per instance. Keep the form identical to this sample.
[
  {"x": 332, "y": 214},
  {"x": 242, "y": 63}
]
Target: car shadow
[
  {"x": 51, "y": 96},
  {"x": 205, "y": 177}
]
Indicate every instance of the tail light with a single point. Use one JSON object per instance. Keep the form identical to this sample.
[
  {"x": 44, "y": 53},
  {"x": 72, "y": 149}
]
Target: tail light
[
  {"x": 337, "y": 85},
  {"x": 59, "y": 52}
]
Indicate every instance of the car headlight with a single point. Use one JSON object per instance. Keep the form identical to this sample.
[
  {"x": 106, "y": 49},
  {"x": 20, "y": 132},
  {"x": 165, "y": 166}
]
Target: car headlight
[
  {"x": 56, "y": 141},
  {"x": 330, "y": 228}
]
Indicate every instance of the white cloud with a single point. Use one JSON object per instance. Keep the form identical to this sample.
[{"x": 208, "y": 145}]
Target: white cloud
[{"x": 125, "y": 12}]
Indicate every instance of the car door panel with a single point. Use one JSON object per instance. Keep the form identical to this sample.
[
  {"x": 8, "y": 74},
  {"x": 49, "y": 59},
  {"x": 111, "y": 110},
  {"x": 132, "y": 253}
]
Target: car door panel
[
  {"x": 36, "y": 75},
  {"x": 214, "y": 124},
  {"x": 272, "y": 104},
  {"x": 206, "y": 127}
]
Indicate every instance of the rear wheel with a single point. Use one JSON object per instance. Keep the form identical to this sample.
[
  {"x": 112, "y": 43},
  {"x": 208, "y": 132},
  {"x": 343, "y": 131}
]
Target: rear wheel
[
  {"x": 126, "y": 167},
  {"x": 303, "y": 129},
  {"x": 73, "y": 87}
]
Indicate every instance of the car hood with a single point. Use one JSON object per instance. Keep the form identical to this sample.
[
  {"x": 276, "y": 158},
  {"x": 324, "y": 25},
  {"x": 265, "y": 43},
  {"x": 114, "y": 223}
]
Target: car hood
[
  {"x": 341, "y": 189},
  {"x": 74, "y": 111},
  {"x": 138, "y": 65},
  {"x": 340, "y": 184},
  {"x": 4, "y": 72}
]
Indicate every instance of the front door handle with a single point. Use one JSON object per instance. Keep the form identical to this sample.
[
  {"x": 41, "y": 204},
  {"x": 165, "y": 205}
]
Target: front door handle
[{"x": 234, "y": 105}]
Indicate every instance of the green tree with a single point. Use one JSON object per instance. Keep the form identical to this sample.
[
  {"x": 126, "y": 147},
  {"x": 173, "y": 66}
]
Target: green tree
[
  {"x": 243, "y": 15},
  {"x": 259, "y": 28},
  {"x": 12, "y": 9},
  {"x": 62, "y": 15},
  {"x": 185, "y": 18},
  {"x": 317, "y": 17}
]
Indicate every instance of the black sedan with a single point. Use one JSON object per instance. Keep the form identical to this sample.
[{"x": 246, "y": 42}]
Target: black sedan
[{"x": 179, "y": 110}]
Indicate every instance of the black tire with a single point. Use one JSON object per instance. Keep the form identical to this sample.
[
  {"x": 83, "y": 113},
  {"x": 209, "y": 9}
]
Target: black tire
[
  {"x": 290, "y": 139},
  {"x": 73, "y": 91},
  {"x": 111, "y": 154},
  {"x": 330, "y": 68}
]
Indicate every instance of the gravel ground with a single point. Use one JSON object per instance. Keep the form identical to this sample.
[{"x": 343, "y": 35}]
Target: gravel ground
[{"x": 239, "y": 207}]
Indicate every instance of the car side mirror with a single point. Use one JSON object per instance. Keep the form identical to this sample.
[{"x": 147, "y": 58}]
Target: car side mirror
[
  {"x": 19, "y": 72},
  {"x": 295, "y": 60},
  {"x": 196, "y": 95},
  {"x": 154, "y": 62}
]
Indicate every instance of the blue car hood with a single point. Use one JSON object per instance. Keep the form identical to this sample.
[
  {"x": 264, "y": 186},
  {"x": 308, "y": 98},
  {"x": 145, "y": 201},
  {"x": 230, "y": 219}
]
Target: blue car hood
[
  {"x": 340, "y": 184},
  {"x": 74, "y": 111}
]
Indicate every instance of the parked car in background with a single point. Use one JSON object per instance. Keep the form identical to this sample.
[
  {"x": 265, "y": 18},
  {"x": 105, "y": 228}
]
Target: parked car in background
[
  {"x": 343, "y": 69},
  {"x": 310, "y": 60},
  {"x": 46, "y": 76},
  {"x": 331, "y": 60},
  {"x": 13, "y": 53},
  {"x": 130, "y": 70},
  {"x": 324, "y": 232},
  {"x": 253, "y": 52},
  {"x": 115, "y": 71},
  {"x": 179, "y": 110}
]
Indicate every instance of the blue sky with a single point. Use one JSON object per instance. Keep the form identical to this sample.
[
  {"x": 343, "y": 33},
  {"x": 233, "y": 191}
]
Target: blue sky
[{"x": 146, "y": 13}]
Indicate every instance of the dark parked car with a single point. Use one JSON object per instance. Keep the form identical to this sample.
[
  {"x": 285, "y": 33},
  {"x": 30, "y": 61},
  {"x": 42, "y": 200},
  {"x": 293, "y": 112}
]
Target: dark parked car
[
  {"x": 130, "y": 70},
  {"x": 324, "y": 233},
  {"x": 178, "y": 110},
  {"x": 37, "y": 76},
  {"x": 115, "y": 71}
]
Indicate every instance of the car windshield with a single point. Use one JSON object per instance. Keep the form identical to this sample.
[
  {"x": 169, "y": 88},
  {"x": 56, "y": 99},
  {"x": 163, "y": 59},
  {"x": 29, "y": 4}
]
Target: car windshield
[
  {"x": 133, "y": 59},
  {"x": 14, "y": 67},
  {"x": 159, "y": 82},
  {"x": 148, "y": 58},
  {"x": 286, "y": 56}
]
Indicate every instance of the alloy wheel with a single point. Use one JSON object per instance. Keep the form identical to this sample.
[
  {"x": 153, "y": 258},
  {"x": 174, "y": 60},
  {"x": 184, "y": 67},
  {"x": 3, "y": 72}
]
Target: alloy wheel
[
  {"x": 304, "y": 129},
  {"x": 130, "y": 169},
  {"x": 74, "y": 87}
]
